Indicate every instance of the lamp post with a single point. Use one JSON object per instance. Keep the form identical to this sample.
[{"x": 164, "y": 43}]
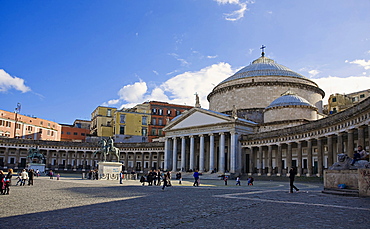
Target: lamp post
[{"x": 17, "y": 110}]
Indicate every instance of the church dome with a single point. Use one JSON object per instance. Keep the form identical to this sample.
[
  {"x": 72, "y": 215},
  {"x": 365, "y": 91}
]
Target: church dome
[
  {"x": 289, "y": 99},
  {"x": 263, "y": 66}
]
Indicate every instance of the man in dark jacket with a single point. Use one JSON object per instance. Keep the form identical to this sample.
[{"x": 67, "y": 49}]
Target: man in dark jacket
[
  {"x": 292, "y": 173},
  {"x": 30, "y": 176}
]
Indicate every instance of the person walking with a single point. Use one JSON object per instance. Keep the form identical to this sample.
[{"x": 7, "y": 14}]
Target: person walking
[
  {"x": 2, "y": 183},
  {"x": 24, "y": 176},
  {"x": 31, "y": 175},
  {"x": 51, "y": 174},
  {"x": 225, "y": 179},
  {"x": 196, "y": 178},
  {"x": 165, "y": 181},
  {"x": 237, "y": 180},
  {"x": 292, "y": 173},
  {"x": 8, "y": 182}
]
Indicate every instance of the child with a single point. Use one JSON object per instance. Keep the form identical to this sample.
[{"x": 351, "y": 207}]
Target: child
[
  {"x": 250, "y": 181},
  {"x": 19, "y": 179},
  {"x": 237, "y": 180},
  {"x": 58, "y": 176},
  {"x": 225, "y": 179}
]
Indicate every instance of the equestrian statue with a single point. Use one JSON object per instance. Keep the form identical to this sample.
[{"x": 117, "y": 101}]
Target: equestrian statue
[
  {"x": 35, "y": 155},
  {"x": 107, "y": 147}
]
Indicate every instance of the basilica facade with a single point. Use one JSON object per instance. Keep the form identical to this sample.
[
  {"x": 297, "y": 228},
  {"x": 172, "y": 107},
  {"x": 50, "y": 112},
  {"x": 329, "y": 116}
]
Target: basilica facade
[{"x": 263, "y": 120}]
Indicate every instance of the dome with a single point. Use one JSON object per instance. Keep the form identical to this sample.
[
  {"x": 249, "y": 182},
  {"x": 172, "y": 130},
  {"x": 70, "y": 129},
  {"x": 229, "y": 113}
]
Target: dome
[
  {"x": 289, "y": 99},
  {"x": 263, "y": 66}
]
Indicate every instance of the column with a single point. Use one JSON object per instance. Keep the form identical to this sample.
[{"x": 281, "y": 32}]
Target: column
[
  {"x": 183, "y": 154},
  {"x": 361, "y": 137},
  {"x": 159, "y": 160},
  {"x": 84, "y": 161},
  {"x": 233, "y": 152},
  {"x": 260, "y": 153},
  {"x": 251, "y": 163},
  {"x": 134, "y": 162},
  {"x": 126, "y": 161},
  {"x": 299, "y": 146},
  {"x": 309, "y": 158},
  {"x": 289, "y": 157},
  {"x": 166, "y": 154},
  {"x": 340, "y": 143},
  {"x": 350, "y": 144},
  {"x": 150, "y": 161},
  {"x": 269, "y": 159},
  {"x": 330, "y": 151},
  {"x": 191, "y": 162},
  {"x": 174, "y": 155},
  {"x": 222, "y": 153},
  {"x": 142, "y": 161},
  {"x": 211, "y": 152},
  {"x": 320, "y": 158},
  {"x": 279, "y": 158},
  {"x": 201, "y": 153}
]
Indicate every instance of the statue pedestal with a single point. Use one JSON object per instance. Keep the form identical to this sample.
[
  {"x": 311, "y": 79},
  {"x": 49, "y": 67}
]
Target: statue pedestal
[
  {"x": 35, "y": 166},
  {"x": 109, "y": 170}
]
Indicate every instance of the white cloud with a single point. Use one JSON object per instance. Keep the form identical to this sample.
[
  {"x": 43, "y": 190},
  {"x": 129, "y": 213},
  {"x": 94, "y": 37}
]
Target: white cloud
[
  {"x": 313, "y": 73},
  {"x": 363, "y": 63},
  {"x": 182, "y": 61},
  {"x": 212, "y": 57},
  {"x": 237, "y": 14},
  {"x": 155, "y": 72},
  {"x": 133, "y": 93},
  {"x": 111, "y": 102},
  {"x": 8, "y": 82},
  {"x": 332, "y": 85},
  {"x": 180, "y": 89}
]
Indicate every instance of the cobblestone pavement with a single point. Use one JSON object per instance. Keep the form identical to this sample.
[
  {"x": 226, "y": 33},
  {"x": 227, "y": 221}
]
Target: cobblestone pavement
[{"x": 76, "y": 203}]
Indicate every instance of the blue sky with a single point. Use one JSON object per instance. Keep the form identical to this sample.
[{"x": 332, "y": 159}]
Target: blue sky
[{"x": 62, "y": 59}]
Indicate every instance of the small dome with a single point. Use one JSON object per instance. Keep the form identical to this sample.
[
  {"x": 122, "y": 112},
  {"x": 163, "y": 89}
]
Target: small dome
[
  {"x": 289, "y": 99},
  {"x": 263, "y": 66}
]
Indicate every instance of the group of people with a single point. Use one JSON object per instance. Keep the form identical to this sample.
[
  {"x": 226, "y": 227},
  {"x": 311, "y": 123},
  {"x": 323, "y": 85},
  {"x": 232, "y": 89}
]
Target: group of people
[
  {"x": 93, "y": 175},
  {"x": 156, "y": 177},
  {"x": 26, "y": 175},
  {"x": 250, "y": 180}
]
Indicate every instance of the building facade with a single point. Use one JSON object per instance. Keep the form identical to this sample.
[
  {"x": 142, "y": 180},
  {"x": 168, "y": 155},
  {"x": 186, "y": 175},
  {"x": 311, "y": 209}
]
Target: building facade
[
  {"x": 161, "y": 114},
  {"x": 14, "y": 125},
  {"x": 339, "y": 102},
  {"x": 76, "y": 132}
]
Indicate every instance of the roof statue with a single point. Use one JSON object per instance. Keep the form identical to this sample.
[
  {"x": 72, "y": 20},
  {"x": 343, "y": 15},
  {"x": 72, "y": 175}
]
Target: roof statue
[
  {"x": 263, "y": 50},
  {"x": 234, "y": 113},
  {"x": 197, "y": 104}
]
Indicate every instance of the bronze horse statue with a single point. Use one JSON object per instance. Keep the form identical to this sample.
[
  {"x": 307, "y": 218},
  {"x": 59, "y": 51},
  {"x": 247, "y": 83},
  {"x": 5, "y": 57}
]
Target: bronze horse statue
[
  {"x": 107, "y": 147},
  {"x": 35, "y": 155}
]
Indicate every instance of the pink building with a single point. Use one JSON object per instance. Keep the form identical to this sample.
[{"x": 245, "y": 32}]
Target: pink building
[{"x": 13, "y": 125}]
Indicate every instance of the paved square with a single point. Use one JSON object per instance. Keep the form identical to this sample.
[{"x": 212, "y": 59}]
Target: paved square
[{"x": 76, "y": 203}]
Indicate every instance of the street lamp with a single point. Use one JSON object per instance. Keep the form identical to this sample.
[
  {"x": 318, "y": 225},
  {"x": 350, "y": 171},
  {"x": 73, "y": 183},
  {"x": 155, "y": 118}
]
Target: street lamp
[{"x": 17, "y": 110}]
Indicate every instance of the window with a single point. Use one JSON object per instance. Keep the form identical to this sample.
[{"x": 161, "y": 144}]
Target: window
[
  {"x": 169, "y": 112},
  {"x": 144, "y": 120},
  {"x": 78, "y": 125},
  {"x": 122, "y": 118},
  {"x": 68, "y": 133},
  {"x": 121, "y": 129},
  {"x": 74, "y": 133},
  {"x": 334, "y": 100},
  {"x": 160, "y": 112},
  {"x": 144, "y": 131},
  {"x": 160, "y": 121},
  {"x": 362, "y": 96},
  {"x": 178, "y": 113},
  {"x": 82, "y": 134},
  {"x": 160, "y": 132},
  {"x": 154, "y": 121},
  {"x": 154, "y": 131},
  {"x": 154, "y": 111}
]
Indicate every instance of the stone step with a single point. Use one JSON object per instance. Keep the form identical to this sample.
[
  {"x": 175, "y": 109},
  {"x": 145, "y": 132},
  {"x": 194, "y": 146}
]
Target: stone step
[{"x": 341, "y": 192}]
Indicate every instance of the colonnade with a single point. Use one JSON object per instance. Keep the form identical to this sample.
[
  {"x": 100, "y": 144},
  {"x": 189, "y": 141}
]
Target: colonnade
[
  {"x": 204, "y": 152},
  {"x": 311, "y": 155}
]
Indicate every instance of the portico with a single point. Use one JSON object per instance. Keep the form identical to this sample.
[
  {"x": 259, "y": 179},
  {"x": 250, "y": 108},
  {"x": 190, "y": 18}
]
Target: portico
[{"x": 209, "y": 141}]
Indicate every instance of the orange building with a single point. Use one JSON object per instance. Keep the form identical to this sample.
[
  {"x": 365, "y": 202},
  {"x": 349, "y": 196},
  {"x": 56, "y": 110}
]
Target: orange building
[
  {"x": 161, "y": 113},
  {"x": 76, "y": 132},
  {"x": 14, "y": 125}
]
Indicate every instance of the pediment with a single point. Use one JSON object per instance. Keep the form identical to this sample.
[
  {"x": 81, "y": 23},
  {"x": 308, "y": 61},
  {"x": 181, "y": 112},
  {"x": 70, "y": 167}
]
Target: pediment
[{"x": 199, "y": 119}]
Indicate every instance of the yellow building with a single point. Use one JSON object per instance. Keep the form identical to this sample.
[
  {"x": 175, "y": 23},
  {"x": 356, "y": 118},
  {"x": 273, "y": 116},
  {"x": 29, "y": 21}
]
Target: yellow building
[
  {"x": 126, "y": 125},
  {"x": 339, "y": 102},
  {"x": 102, "y": 121}
]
